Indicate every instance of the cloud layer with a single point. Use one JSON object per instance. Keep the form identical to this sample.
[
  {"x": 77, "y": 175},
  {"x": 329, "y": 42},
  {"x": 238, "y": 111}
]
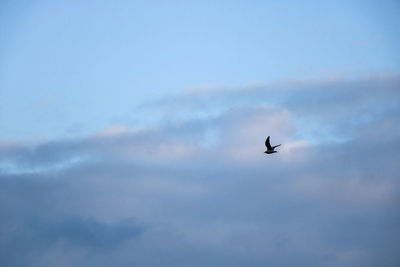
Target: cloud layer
[{"x": 195, "y": 189}]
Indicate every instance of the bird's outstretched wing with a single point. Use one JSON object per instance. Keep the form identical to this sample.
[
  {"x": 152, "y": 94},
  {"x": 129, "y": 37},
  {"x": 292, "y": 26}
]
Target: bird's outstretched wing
[{"x": 267, "y": 144}]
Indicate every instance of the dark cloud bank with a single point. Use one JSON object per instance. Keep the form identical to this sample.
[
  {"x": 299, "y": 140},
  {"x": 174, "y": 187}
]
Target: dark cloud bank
[{"x": 197, "y": 190}]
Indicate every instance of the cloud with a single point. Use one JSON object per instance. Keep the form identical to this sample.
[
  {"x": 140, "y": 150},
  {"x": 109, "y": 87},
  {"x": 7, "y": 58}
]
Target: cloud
[
  {"x": 201, "y": 191},
  {"x": 344, "y": 103},
  {"x": 35, "y": 237}
]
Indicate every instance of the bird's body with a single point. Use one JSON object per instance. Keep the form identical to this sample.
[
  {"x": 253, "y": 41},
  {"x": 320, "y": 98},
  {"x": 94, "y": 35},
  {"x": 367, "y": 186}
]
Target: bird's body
[{"x": 270, "y": 149}]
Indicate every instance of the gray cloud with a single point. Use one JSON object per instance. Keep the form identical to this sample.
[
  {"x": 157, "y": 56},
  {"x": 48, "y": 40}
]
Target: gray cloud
[
  {"x": 314, "y": 103},
  {"x": 201, "y": 191}
]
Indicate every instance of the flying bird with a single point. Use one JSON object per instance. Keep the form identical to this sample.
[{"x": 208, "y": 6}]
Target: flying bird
[{"x": 270, "y": 149}]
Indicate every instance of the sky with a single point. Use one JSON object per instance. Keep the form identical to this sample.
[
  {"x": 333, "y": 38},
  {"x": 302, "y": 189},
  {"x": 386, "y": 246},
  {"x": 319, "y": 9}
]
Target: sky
[{"x": 132, "y": 133}]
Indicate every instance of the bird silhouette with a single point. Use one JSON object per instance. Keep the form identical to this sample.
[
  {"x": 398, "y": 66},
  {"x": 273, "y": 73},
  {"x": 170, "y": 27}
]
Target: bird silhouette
[{"x": 270, "y": 149}]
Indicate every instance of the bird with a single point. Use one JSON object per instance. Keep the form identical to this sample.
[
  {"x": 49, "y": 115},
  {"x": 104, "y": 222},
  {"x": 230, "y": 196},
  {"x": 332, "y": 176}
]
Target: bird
[{"x": 270, "y": 149}]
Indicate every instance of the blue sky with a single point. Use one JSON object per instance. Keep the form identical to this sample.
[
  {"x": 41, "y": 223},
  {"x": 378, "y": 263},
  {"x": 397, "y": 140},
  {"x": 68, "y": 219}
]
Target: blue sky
[
  {"x": 132, "y": 133},
  {"x": 58, "y": 56}
]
